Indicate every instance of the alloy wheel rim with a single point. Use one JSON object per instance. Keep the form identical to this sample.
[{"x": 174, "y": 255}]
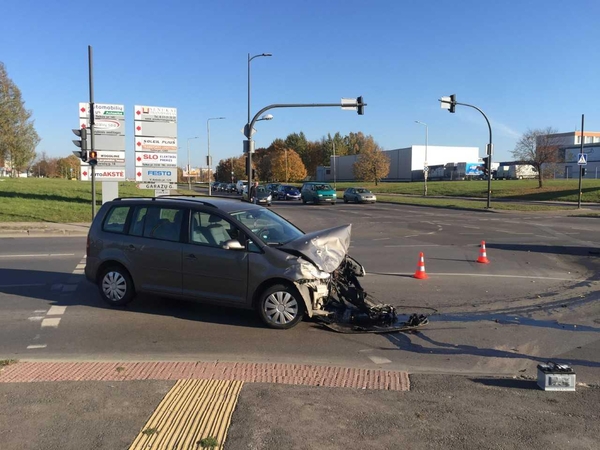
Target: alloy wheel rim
[
  {"x": 114, "y": 286},
  {"x": 281, "y": 308}
]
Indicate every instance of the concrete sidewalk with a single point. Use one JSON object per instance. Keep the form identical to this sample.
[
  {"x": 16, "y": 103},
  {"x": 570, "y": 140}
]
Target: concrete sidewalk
[
  {"x": 439, "y": 411},
  {"x": 42, "y": 229}
]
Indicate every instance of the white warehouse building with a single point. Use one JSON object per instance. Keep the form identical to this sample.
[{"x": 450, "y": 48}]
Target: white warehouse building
[{"x": 406, "y": 164}]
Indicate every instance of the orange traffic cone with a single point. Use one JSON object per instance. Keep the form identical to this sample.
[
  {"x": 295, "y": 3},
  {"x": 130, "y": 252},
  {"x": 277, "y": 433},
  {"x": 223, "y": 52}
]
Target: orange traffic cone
[
  {"x": 420, "y": 273},
  {"x": 482, "y": 255}
]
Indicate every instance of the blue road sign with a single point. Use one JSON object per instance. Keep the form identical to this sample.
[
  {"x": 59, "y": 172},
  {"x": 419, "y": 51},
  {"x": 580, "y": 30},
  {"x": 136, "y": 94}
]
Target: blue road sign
[{"x": 582, "y": 159}]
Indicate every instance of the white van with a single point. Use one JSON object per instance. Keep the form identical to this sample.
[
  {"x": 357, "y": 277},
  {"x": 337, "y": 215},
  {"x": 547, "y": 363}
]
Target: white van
[{"x": 239, "y": 187}]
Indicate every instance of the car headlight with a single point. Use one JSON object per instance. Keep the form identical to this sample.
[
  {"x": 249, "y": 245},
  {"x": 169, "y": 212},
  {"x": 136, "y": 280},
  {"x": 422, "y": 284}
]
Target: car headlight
[
  {"x": 320, "y": 195},
  {"x": 269, "y": 198},
  {"x": 317, "y": 273}
]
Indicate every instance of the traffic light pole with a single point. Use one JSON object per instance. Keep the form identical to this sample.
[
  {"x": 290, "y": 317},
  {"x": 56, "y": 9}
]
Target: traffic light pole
[
  {"x": 92, "y": 124},
  {"x": 359, "y": 105},
  {"x": 489, "y": 150}
]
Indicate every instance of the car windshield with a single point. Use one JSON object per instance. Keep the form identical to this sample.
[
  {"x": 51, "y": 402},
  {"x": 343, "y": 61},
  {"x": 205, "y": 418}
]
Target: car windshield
[
  {"x": 262, "y": 189},
  {"x": 291, "y": 189},
  {"x": 270, "y": 228},
  {"x": 323, "y": 187},
  {"x": 363, "y": 191}
]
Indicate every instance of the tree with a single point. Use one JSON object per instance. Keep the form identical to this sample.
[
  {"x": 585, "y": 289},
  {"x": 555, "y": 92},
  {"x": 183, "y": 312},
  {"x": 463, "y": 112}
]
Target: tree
[
  {"x": 18, "y": 138},
  {"x": 538, "y": 147},
  {"x": 224, "y": 169},
  {"x": 286, "y": 166},
  {"x": 372, "y": 163}
]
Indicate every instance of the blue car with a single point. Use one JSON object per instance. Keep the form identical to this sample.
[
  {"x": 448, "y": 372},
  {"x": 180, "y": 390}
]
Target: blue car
[{"x": 285, "y": 192}]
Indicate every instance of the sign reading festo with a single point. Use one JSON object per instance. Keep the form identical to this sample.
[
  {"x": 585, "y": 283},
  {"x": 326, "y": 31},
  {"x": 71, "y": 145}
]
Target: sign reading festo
[{"x": 156, "y": 174}]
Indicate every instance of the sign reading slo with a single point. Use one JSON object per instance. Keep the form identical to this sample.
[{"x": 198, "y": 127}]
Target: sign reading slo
[{"x": 147, "y": 159}]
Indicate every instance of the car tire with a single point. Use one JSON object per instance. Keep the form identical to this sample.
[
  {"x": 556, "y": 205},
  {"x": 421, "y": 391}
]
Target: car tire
[
  {"x": 277, "y": 300},
  {"x": 303, "y": 200},
  {"x": 116, "y": 286},
  {"x": 345, "y": 200}
]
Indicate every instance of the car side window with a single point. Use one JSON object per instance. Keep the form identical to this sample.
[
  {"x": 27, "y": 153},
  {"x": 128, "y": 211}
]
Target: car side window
[
  {"x": 137, "y": 224},
  {"x": 116, "y": 219},
  {"x": 162, "y": 223},
  {"x": 211, "y": 230}
]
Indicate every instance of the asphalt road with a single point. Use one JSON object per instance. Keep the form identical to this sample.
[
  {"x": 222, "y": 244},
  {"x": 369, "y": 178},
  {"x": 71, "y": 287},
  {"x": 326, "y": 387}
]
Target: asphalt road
[{"x": 535, "y": 302}]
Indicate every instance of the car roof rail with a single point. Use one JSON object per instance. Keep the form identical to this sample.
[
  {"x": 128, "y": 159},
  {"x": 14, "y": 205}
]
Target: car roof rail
[{"x": 167, "y": 197}]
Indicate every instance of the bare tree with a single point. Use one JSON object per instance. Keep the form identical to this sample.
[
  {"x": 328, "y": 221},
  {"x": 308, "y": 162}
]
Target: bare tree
[{"x": 538, "y": 147}]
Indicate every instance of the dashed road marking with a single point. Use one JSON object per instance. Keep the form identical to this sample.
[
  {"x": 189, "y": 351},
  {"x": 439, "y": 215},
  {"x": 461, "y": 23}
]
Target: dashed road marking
[
  {"x": 56, "y": 310},
  {"x": 35, "y": 318},
  {"x": 32, "y": 347},
  {"x": 50, "y": 323},
  {"x": 379, "y": 359},
  {"x": 487, "y": 275},
  {"x": 412, "y": 245}
]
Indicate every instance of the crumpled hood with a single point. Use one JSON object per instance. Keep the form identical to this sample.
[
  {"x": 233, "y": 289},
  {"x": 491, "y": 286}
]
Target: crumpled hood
[{"x": 326, "y": 248}]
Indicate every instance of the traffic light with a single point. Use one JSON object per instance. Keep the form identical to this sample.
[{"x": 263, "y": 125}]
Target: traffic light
[
  {"x": 360, "y": 106},
  {"x": 486, "y": 165},
  {"x": 452, "y": 103},
  {"x": 583, "y": 171},
  {"x": 82, "y": 144},
  {"x": 93, "y": 158}
]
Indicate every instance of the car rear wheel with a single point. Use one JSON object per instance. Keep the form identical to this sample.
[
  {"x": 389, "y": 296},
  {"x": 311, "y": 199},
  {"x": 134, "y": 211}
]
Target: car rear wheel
[
  {"x": 303, "y": 200},
  {"x": 345, "y": 200},
  {"x": 116, "y": 286},
  {"x": 280, "y": 307}
]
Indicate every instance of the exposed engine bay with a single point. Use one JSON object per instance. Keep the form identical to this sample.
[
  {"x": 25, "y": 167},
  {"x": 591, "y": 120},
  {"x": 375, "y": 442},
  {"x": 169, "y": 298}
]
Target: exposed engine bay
[
  {"x": 328, "y": 281},
  {"x": 352, "y": 310}
]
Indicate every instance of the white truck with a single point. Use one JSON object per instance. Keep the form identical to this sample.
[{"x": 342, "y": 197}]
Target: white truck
[
  {"x": 516, "y": 172},
  {"x": 239, "y": 187}
]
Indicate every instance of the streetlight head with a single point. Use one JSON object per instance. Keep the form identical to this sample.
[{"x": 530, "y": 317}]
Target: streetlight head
[
  {"x": 267, "y": 54},
  {"x": 267, "y": 117}
]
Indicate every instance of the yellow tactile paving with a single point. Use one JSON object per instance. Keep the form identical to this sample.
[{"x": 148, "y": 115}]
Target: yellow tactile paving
[{"x": 191, "y": 411}]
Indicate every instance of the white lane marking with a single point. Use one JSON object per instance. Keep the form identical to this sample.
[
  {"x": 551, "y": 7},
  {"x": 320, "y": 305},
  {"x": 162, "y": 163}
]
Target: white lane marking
[
  {"x": 53, "y": 322},
  {"x": 31, "y": 347},
  {"x": 379, "y": 360},
  {"x": 35, "y": 318},
  {"x": 413, "y": 245},
  {"x": 78, "y": 271},
  {"x": 21, "y": 285},
  {"x": 80, "y": 266},
  {"x": 37, "y": 255},
  {"x": 56, "y": 310},
  {"x": 69, "y": 287},
  {"x": 480, "y": 275},
  {"x": 474, "y": 228},
  {"x": 39, "y": 311},
  {"x": 381, "y": 239},
  {"x": 510, "y": 232}
]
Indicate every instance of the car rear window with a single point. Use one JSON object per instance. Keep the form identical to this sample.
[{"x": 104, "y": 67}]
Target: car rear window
[{"x": 116, "y": 219}]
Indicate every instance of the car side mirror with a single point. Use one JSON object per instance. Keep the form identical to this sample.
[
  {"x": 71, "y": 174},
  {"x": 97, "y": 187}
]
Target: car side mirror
[{"x": 233, "y": 244}]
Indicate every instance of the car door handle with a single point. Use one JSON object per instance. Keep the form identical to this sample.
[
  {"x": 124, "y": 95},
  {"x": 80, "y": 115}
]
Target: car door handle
[{"x": 191, "y": 256}]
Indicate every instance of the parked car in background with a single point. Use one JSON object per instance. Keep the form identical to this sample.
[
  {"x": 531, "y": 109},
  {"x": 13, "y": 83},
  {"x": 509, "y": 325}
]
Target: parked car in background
[
  {"x": 230, "y": 188},
  {"x": 285, "y": 192},
  {"x": 359, "y": 195},
  {"x": 273, "y": 187},
  {"x": 239, "y": 186},
  {"x": 263, "y": 195},
  {"x": 317, "y": 192}
]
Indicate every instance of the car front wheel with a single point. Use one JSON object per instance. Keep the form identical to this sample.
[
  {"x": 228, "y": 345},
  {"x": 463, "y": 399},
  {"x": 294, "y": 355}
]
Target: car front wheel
[
  {"x": 116, "y": 286},
  {"x": 280, "y": 307}
]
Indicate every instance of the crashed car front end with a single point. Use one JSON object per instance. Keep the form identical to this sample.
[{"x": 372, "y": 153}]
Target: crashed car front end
[{"x": 327, "y": 279}]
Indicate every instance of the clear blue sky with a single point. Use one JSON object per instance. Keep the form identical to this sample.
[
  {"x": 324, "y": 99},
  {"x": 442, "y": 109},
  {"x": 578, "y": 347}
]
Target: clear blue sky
[{"x": 527, "y": 64}]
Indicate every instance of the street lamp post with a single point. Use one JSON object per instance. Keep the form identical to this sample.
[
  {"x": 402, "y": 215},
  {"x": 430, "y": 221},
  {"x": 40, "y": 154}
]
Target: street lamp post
[
  {"x": 208, "y": 160},
  {"x": 334, "y": 180},
  {"x": 425, "y": 166},
  {"x": 249, "y": 130},
  {"x": 189, "y": 167}
]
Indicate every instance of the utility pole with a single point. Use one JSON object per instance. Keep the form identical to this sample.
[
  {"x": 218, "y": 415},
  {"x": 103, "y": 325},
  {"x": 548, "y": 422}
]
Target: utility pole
[{"x": 580, "y": 166}]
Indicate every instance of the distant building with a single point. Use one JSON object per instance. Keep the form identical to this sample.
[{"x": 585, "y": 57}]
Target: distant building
[
  {"x": 568, "y": 148},
  {"x": 406, "y": 164}
]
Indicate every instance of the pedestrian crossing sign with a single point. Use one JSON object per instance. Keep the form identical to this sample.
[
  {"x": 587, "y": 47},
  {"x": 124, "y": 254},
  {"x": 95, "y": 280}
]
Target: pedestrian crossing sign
[{"x": 582, "y": 159}]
